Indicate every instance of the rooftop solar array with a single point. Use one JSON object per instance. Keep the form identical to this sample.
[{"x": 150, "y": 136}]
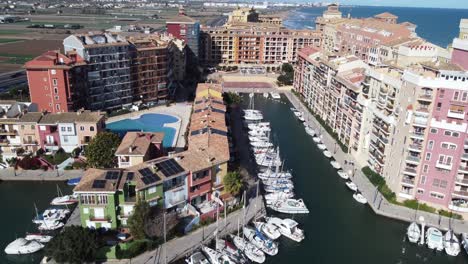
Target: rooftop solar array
[
  {"x": 217, "y": 110},
  {"x": 199, "y": 131},
  {"x": 169, "y": 167},
  {"x": 217, "y": 101},
  {"x": 148, "y": 176},
  {"x": 112, "y": 175},
  {"x": 130, "y": 176},
  {"x": 99, "y": 184},
  {"x": 219, "y": 132}
]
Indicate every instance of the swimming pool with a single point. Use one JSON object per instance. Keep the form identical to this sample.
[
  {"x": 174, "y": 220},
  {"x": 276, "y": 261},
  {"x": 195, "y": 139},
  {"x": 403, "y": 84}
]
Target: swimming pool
[{"x": 147, "y": 123}]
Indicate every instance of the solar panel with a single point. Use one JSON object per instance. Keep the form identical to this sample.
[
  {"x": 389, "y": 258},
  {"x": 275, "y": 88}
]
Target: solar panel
[
  {"x": 217, "y": 110},
  {"x": 99, "y": 184},
  {"x": 130, "y": 176},
  {"x": 169, "y": 167},
  {"x": 148, "y": 176},
  {"x": 217, "y": 101},
  {"x": 112, "y": 175},
  {"x": 219, "y": 132}
]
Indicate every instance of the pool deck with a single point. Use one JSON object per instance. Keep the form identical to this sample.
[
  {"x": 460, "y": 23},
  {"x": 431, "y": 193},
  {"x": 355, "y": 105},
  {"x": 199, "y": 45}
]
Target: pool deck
[{"x": 179, "y": 110}]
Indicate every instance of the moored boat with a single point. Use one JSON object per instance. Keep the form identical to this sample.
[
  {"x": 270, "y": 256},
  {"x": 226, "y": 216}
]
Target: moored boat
[
  {"x": 22, "y": 246},
  {"x": 413, "y": 233},
  {"x": 38, "y": 237},
  {"x": 351, "y": 185},
  {"x": 321, "y": 146},
  {"x": 289, "y": 206},
  {"x": 317, "y": 139},
  {"x": 335, "y": 164},
  {"x": 359, "y": 198},
  {"x": 343, "y": 174},
  {"x": 271, "y": 231},
  {"x": 259, "y": 240},
  {"x": 327, "y": 154},
  {"x": 309, "y": 131},
  {"x": 64, "y": 200},
  {"x": 261, "y": 144},
  {"x": 465, "y": 241},
  {"x": 216, "y": 257},
  {"x": 230, "y": 250},
  {"x": 288, "y": 228},
  {"x": 74, "y": 181},
  {"x": 250, "y": 251},
  {"x": 434, "y": 239},
  {"x": 197, "y": 258},
  {"x": 451, "y": 244}
]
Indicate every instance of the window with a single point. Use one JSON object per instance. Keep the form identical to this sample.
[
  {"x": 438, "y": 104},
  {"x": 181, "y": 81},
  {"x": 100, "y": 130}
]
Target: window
[
  {"x": 455, "y": 134},
  {"x": 447, "y": 133},
  {"x": 33, "y": 127},
  {"x": 441, "y": 158},
  {"x": 428, "y": 156},
  {"x": 437, "y": 195},
  {"x": 42, "y": 128},
  {"x": 456, "y": 95},
  {"x": 430, "y": 145},
  {"x": 464, "y": 96},
  {"x": 439, "y": 106},
  {"x": 433, "y": 130},
  {"x": 423, "y": 179},
  {"x": 65, "y": 139},
  {"x": 56, "y": 97},
  {"x": 441, "y": 93},
  {"x": 436, "y": 183},
  {"x": 152, "y": 190},
  {"x": 426, "y": 168},
  {"x": 57, "y": 106},
  {"x": 53, "y": 72},
  {"x": 443, "y": 184},
  {"x": 82, "y": 128},
  {"x": 420, "y": 191},
  {"x": 91, "y": 128},
  {"x": 69, "y": 129},
  {"x": 56, "y": 90},
  {"x": 54, "y": 82},
  {"x": 62, "y": 129}
]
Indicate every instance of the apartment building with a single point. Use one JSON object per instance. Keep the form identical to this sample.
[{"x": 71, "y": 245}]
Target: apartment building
[
  {"x": 187, "y": 29},
  {"x": 149, "y": 68},
  {"x": 245, "y": 15},
  {"x": 50, "y": 132},
  {"x": 254, "y": 44},
  {"x": 57, "y": 82},
  {"x": 460, "y": 46},
  {"x": 138, "y": 147},
  {"x": 108, "y": 62}
]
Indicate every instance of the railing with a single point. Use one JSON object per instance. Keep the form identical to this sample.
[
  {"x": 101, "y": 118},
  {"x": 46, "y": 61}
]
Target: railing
[
  {"x": 410, "y": 170},
  {"x": 408, "y": 181},
  {"x": 415, "y": 147},
  {"x": 463, "y": 168},
  {"x": 412, "y": 158},
  {"x": 30, "y": 142},
  {"x": 425, "y": 97},
  {"x": 48, "y": 143}
]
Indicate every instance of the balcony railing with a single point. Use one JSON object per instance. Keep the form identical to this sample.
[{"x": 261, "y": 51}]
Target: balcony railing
[
  {"x": 410, "y": 158},
  {"x": 456, "y": 114},
  {"x": 30, "y": 142},
  {"x": 462, "y": 181},
  {"x": 463, "y": 168},
  {"x": 410, "y": 171},
  {"x": 417, "y": 135},
  {"x": 50, "y": 143},
  {"x": 425, "y": 97},
  {"x": 408, "y": 181},
  {"x": 465, "y": 156},
  {"x": 444, "y": 166},
  {"x": 415, "y": 147},
  {"x": 8, "y": 132}
]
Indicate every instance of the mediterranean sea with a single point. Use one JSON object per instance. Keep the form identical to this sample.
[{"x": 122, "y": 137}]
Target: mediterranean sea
[{"x": 436, "y": 25}]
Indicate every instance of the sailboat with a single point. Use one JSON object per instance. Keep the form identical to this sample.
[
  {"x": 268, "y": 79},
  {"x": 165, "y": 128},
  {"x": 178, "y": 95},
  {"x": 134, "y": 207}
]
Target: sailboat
[
  {"x": 216, "y": 257},
  {"x": 197, "y": 258},
  {"x": 451, "y": 244},
  {"x": 359, "y": 197},
  {"x": 250, "y": 251},
  {"x": 63, "y": 199},
  {"x": 38, "y": 237},
  {"x": 413, "y": 233},
  {"x": 230, "y": 250}
]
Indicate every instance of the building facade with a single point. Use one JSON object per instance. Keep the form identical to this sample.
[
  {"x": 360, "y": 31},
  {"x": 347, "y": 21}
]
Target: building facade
[{"x": 187, "y": 29}]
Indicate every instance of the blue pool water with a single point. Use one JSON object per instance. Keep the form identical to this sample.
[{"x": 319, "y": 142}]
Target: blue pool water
[{"x": 146, "y": 123}]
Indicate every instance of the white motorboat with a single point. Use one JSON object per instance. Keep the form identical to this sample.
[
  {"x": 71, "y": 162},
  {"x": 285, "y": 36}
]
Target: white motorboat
[
  {"x": 434, "y": 239},
  {"x": 271, "y": 231},
  {"x": 301, "y": 118},
  {"x": 289, "y": 206},
  {"x": 327, "y": 154},
  {"x": 278, "y": 182},
  {"x": 465, "y": 241},
  {"x": 451, "y": 244},
  {"x": 38, "y": 237},
  {"x": 413, "y": 232},
  {"x": 50, "y": 225},
  {"x": 258, "y": 125},
  {"x": 252, "y": 111},
  {"x": 261, "y": 144},
  {"x": 288, "y": 228},
  {"x": 267, "y": 160},
  {"x": 51, "y": 215},
  {"x": 293, "y": 109},
  {"x": 230, "y": 250},
  {"x": 270, "y": 198},
  {"x": 275, "y": 95},
  {"x": 335, "y": 164},
  {"x": 64, "y": 200},
  {"x": 257, "y": 133},
  {"x": 297, "y": 113},
  {"x": 258, "y": 138},
  {"x": 359, "y": 198},
  {"x": 351, "y": 185},
  {"x": 216, "y": 257},
  {"x": 260, "y": 128},
  {"x": 310, "y": 131},
  {"x": 274, "y": 189},
  {"x": 259, "y": 240},
  {"x": 250, "y": 251},
  {"x": 343, "y": 174},
  {"x": 23, "y": 246},
  {"x": 197, "y": 258},
  {"x": 274, "y": 175},
  {"x": 253, "y": 117},
  {"x": 321, "y": 146},
  {"x": 317, "y": 139},
  {"x": 265, "y": 95}
]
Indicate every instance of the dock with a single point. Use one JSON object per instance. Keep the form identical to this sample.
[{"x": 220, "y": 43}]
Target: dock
[
  {"x": 376, "y": 201},
  {"x": 10, "y": 174}
]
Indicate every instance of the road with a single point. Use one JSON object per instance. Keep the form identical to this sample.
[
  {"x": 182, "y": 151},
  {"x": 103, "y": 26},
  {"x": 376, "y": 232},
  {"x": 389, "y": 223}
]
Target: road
[{"x": 11, "y": 79}]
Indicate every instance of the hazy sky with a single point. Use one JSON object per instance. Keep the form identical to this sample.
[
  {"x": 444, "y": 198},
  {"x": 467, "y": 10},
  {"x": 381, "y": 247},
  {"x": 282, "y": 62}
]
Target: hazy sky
[{"x": 411, "y": 3}]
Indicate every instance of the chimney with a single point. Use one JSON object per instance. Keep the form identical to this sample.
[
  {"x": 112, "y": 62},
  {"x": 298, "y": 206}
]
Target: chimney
[{"x": 130, "y": 149}]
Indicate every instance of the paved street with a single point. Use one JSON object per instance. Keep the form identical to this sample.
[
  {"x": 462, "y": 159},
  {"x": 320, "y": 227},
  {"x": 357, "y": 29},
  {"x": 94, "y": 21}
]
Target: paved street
[
  {"x": 376, "y": 201},
  {"x": 180, "y": 247},
  {"x": 9, "y": 174}
]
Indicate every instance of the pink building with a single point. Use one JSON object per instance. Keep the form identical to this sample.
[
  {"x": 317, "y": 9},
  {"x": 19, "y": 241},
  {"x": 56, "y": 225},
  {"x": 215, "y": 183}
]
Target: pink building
[{"x": 460, "y": 46}]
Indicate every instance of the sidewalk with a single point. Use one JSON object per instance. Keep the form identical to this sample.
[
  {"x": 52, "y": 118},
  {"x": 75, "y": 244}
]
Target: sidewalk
[
  {"x": 9, "y": 174},
  {"x": 375, "y": 200},
  {"x": 183, "y": 246}
]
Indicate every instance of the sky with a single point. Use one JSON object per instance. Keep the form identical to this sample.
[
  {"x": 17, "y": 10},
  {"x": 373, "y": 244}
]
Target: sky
[{"x": 410, "y": 3}]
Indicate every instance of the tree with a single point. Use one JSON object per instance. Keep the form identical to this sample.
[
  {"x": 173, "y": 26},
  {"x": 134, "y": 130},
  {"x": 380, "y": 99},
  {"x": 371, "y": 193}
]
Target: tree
[
  {"x": 287, "y": 75},
  {"x": 233, "y": 182},
  {"x": 137, "y": 221},
  {"x": 231, "y": 98},
  {"x": 74, "y": 245},
  {"x": 100, "y": 151}
]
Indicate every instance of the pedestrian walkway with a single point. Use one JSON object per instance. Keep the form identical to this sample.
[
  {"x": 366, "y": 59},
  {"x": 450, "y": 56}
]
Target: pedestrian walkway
[
  {"x": 183, "y": 246},
  {"x": 9, "y": 174},
  {"x": 376, "y": 201}
]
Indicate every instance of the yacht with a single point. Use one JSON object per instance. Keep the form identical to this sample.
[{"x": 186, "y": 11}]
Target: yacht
[
  {"x": 257, "y": 133},
  {"x": 50, "y": 225},
  {"x": 280, "y": 182},
  {"x": 451, "y": 244},
  {"x": 230, "y": 250},
  {"x": 250, "y": 251},
  {"x": 274, "y": 175},
  {"x": 267, "y": 160},
  {"x": 275, "y": 189},
  {"x": 64, "y": 200},
  {"x": 265, "y": 95},
  {"x": 289, "y": 206},
  {"x": 310, "y": 131},
  {"x": 327, "y": 154},
  {"x": 301, "y": 118},
  {"x": 259, "y": 138},
  {"x": 317, "y": 139},
  {"x": 275, "y": 95},
  {"x": 271, "y": 231},
  {"x": 260, "y": 144},
  {"x": 216, "y": 257},
  {"x": 413, "y": 233},
  {"x": 51, "y": 215},
  {"x": 434, "y": 239},
  {"x": 288, "y": 228},
  {"x": 343, "y": 174},
  {"x": 335, "y": 164},
  {"x": 252, "y": 112},
  {"x": 351, "y": 185},
  {"x": 258, "y": 125},
  {"x": 197, "y": 258},
  {"x": 38, "y": 237},
  {"x": 253, "y": 117},
  {"x": 465, "y": 241},
  {"x": 321, "y": 146},
  {"x": 22, "y": 246},
  {"x": 260, "y": 241},
  {"x": 359, "y": 198}
]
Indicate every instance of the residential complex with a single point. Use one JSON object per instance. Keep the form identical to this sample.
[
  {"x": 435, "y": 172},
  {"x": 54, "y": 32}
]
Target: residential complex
[
  {"x": 187, "y": 29},
  {"x": 254, "y": 44},
  {"x": 32, "y": 131},
  {"x": 189, "y": 181},
  {"x": 404, "y": 116},
  {"x": 244, "y": 15}
]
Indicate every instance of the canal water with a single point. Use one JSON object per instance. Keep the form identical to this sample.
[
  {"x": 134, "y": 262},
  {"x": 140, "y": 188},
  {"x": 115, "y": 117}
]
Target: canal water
[
  {"x": 17, "y": 211},
  {"x": 338, "y": 229}
]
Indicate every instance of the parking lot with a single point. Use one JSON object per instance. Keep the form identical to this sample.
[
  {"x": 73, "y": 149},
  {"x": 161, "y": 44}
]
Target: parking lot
[{"x": 252, "y": 70}]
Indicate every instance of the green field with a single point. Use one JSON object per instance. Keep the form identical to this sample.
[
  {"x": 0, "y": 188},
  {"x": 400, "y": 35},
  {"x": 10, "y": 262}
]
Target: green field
[
  {"x": 15, "y": 58},
  {"x": 12, "y": 32},
  {"x": 9, "y": 40}
]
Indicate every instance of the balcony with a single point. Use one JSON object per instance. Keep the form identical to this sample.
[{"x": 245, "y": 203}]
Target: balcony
[
  {"x": 29, "y": 142},
  {"x": 410, "y": 171},
  {"x": 456, "y": 114},
  {"x": 420, "y": 122},
  {"x": 100, "y": 219},
  {"x": 417, "y": 135},
  {"x": 4, "y": 142},
  {"x": 50, "y": 143},
  {"x": 415, "y": 147},
  {"x": 443, "y": 166},
  {"x": 412, "y": 159},
  {"x": 462, "y": 168},
  {"x": 4, "y": 132},
  {"x": 461, "y": 193},
  {"x": 407, "y": 182},
  {"x": 461, "y": 181},
  {"x": 422, "y": 111},
  {"x": 425, "y": 97},
  {"x": 464, "y": 156}
]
